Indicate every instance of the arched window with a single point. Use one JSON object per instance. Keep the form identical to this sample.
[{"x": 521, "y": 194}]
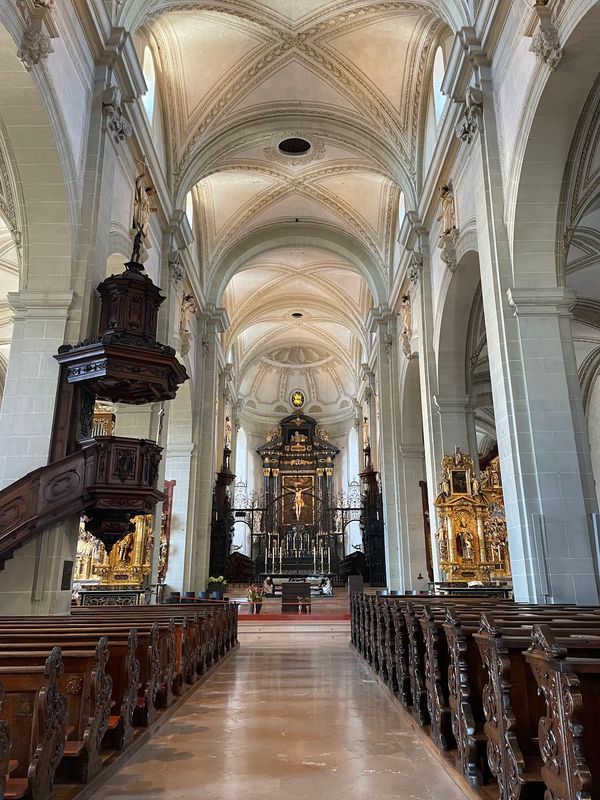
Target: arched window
[
  {"x": 438, "y": 76},
  {"x": 189, "y": 209},
  {"x": 150, "y": 78},
  {"x": 401, "y": 210}
]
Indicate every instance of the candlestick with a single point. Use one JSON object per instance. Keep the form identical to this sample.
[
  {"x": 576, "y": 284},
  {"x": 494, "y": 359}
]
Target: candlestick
[
  {"x": 328, "y": 559},
  {"x": 314, "y": 559},
  {"x": 266, "y": 557}
]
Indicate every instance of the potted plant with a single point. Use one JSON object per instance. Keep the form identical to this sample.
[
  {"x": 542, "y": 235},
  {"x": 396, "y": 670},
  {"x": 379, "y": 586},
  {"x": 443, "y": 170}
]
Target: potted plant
[
  {"x": 217, "y": 587},
  {"x": 255, "y": 596},
  {"x": 303, "y": 605}
]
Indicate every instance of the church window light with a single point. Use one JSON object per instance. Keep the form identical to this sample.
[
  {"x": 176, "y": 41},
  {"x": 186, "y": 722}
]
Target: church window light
[
  {"x": 189, "y": 209},
  {"x": 438, "y": 76},
  {"x": 150, "y": 78},
  {"x": 401, "y": 209}
]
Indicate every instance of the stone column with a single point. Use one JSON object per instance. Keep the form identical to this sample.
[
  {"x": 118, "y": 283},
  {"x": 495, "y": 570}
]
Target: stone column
[
  {"x": 542, "y": 436},
  {"x": 383, "y": 322},
  {"x": 420, "y": 274},
  {"x": 39, "y": 322},
  {"x": 178, "y": 467},
  {"x": 414, "y": 556},
  {"x": 204, "y": 430},
  {"x": 31, "y": 582}
]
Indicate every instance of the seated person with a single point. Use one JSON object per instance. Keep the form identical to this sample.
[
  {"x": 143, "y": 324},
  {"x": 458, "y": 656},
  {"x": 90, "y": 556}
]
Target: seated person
[
  {"x": 268, "y": 586},
  {"x": 326, "y": 587}
]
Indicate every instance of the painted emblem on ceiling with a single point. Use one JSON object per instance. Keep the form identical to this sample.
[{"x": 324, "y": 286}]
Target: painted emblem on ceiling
[{"x": 297, "y": 399}]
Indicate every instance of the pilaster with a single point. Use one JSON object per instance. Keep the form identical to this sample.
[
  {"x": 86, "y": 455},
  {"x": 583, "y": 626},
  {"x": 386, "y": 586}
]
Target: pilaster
[
  {"x": 213, "y": 323},
  {"x": 382, "y": 322},
  {"x": 39, "y": 322},
  {"x": 542, "y": 438}
]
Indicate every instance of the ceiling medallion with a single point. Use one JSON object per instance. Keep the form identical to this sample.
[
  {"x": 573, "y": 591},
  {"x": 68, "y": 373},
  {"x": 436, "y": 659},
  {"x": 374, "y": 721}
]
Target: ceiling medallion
[
  {"x": 295, "y": 148},
  {"x": 297, "y": 399}
]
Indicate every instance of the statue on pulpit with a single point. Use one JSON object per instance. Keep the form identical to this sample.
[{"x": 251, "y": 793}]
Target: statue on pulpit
[{"x": 124, "y": 547}]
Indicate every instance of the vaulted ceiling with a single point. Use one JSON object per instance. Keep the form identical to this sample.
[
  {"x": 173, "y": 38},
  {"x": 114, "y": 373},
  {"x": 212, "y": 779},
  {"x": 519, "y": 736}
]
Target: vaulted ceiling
[{"x": 310, "y": 231}]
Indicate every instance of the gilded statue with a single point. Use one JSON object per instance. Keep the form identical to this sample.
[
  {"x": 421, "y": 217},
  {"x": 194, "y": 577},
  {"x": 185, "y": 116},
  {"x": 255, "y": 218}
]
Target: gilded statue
[{"x": 124, "y": 547}]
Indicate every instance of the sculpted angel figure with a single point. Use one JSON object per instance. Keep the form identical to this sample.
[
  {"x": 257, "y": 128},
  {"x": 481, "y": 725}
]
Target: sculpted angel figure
[{"x": 142, "y": 208}]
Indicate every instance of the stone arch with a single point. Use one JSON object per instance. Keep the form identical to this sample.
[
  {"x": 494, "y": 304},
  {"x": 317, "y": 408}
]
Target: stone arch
[
  {"x": 347, "y": 133},
  {"x": 135, "y": 13},
  {"x": 258, "y": 310},
  {"x": 46, "y": 198},
  {"x": 452, "y": 325},
  {"x": 300, "y": 234},
  {"x": 556, "y": 101}
]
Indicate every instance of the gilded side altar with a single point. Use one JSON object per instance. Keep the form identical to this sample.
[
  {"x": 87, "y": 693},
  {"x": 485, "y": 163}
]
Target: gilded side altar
[
  {"x": 472, "y": 537},
  {"x": 128, "y": 563}
]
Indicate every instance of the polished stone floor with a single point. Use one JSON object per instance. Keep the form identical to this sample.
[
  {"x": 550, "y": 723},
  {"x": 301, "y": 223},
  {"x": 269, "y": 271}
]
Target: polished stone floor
[{"x": 284, "y": 721}]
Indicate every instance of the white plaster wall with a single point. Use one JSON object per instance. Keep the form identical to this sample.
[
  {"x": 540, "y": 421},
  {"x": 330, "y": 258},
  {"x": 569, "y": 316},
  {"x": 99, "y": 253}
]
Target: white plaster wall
[{"x": 73, "y": 90}]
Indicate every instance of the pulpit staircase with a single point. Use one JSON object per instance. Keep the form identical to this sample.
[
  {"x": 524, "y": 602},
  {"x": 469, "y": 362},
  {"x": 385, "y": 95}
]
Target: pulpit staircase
[
  {"x": 111, "y": 472},
  {"x": 110, "y": 479}
]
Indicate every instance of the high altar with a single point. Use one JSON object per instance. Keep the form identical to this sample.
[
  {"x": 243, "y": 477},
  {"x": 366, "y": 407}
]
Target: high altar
[
  {"x": 471, "y": 537},
  {"x": 299, "y": 530}
]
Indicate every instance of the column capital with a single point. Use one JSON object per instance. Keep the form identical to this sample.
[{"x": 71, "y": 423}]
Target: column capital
[
  {"x": 542, "y": 302},
  {"x": 453, "y": 405},
  {"x": 412, "y": 451},
  {"x": 178, "y": 451},
  {"x": 381, "y": 318},
  {"x": 40, "y": 305},
  {"x": 216, "y": 320}
]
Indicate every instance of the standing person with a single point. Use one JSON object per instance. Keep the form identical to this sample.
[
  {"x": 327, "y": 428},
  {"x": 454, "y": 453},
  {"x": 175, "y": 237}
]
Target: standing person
[
  {"x": 327, "y": 587},
  {"x": 269, "y": 586}
]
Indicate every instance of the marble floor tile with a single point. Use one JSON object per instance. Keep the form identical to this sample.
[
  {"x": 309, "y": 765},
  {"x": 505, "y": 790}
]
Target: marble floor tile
[{"x": 285, "y": 721}]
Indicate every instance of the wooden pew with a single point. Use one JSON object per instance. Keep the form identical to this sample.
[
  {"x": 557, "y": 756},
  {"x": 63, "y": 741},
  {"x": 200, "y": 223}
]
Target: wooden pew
[
  {"x": 35, "y": 711},
  {"x": 436, "y": 647},
  {"x": 569, "y": 729},
  {"x": 513, "y": 708},
  {"x": 148, "y": 655},
  {"x": 87, "y": 688}
]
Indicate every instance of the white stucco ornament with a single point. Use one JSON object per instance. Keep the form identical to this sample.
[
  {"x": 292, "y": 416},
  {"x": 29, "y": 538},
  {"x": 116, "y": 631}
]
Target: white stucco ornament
[
  {"x": 472, "y": 116},
  {"x": 545, "y": 42},
  {"x": 36, "y": 42},
  {"x": 113, "y": 111}
]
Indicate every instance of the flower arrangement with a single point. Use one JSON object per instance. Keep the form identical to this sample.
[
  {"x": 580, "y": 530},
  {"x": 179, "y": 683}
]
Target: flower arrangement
[
  {"x": 255, "y": 593},
  {"x": 217, "y": 584}
]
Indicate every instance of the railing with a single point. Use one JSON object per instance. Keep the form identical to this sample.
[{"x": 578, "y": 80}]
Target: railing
[{"x": 112, "y": 472}]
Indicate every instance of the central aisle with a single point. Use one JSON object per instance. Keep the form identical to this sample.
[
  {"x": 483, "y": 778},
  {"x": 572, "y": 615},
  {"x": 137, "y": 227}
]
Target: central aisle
[{"x": 283, "y": 721}]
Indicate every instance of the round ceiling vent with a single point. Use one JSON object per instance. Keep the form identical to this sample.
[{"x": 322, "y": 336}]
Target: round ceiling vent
[
  {"x": 294, "y": 146},
  {"x": 297, "y": 314}
]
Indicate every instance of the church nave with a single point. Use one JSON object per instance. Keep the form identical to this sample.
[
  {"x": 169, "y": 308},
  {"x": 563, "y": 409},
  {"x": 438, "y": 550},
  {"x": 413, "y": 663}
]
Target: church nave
[{"x": 289, "y": 720}]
